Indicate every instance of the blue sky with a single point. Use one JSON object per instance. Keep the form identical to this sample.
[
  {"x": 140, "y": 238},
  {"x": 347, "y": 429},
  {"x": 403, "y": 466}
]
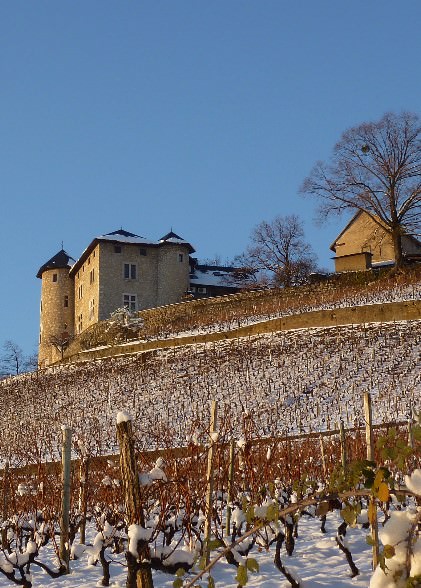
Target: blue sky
[{"x": 203, "y": 116}]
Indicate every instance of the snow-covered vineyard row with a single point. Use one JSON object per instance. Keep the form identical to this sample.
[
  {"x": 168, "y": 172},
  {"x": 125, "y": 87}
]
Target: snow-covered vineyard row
[
  {"x": 231, "y": 312},
  {"x": 280, "y": 383},
  {"x": 246, "y": 308}
]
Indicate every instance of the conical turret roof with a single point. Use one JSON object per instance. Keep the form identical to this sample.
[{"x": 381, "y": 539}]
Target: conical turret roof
[
  {"x": 172, "y": 237},
  {"x": 60, "y": 260}
]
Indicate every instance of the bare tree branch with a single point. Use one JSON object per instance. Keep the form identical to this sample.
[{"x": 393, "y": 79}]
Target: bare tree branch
[{"x": 375, "y": 168}]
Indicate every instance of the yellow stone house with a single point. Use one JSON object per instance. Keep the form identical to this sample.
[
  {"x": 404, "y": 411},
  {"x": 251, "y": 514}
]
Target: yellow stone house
[{"x": 366, "y": 242}]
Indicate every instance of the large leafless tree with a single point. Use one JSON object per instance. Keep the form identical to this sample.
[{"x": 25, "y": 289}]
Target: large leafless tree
[
  {"x": 279, "y": 253},
  {"x": 375, "y": 168}
]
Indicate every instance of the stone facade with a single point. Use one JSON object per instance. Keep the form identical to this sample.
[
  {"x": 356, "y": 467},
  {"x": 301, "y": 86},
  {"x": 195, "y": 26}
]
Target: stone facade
[
  {"x": 116, "y": 270},
  {"x": 366, "y": 237}
]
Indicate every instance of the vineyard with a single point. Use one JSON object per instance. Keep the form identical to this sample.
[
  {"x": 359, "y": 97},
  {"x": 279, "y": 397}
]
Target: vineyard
[{"x": 281, "y": 470}]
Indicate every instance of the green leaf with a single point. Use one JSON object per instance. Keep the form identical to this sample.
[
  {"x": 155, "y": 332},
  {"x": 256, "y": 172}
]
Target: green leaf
[
  {"x": 211, "y": 582},
  {"x": 388, "y": 551},
  {"x": 178, "y": 583},
  {"x": 202, "y": 562},
  {"x": 252, "y": 564},
  {"x": 241, "y": 576},
  {"x": 272, "y": 513},
  {"x": 349, "y": 515},
  {"x": 372, "y": 512},
  {"x": 382, "y": 492},
  {"x": 215, "y": 543},
  {"x": 322, "y": 508},
  {"x": 250, "y": 514},
  {"x": 180, "y": 572},
  {"x": 369, "y": 540},
  {"x": 416, "y": 433}
]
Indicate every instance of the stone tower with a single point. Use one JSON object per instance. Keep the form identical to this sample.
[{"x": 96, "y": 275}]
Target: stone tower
[
  {"x": 173, "y": 269},
  {"x": 57, "y": 308}
]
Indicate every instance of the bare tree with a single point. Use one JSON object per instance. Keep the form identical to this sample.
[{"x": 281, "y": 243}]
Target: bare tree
[
  {"x": 61, "y": 342},
  {"x": 13, "y": 359},
  {"x": 375, "y": 168},
  {"x": 278, "y": 252}
]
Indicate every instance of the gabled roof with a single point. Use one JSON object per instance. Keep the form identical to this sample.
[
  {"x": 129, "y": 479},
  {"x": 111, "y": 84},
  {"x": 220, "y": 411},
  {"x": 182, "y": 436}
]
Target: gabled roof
[
  {"x": 351, "y": 222},
  {"x": 60, "y": 260}
]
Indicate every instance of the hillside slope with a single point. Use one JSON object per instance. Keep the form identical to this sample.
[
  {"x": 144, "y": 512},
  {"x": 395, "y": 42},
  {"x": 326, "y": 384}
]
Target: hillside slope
[{"x": 298, "y": 380}]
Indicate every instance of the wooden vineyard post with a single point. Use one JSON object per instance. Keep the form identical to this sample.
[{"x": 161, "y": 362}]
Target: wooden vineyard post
[
  {"x": 139, "y": 574},
  {"x": 343, "y": 444},
  {"x": 229, "y": 488},
  {"x": 322, "y": 451},
  {"x": 370, "y": 457},
  {"x": 5, "y": 504},
  {"x": 65, "y": 497},
  {"x": 410, "y": 434},
  {"x": 209, "y": 481},
  {"x": 83, "y": 495}
]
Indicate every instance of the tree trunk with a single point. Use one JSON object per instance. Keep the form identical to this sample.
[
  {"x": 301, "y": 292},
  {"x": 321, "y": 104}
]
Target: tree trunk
[{"x": 397, "y": 246}]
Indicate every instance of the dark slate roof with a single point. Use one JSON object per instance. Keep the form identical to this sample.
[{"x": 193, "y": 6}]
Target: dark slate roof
[
  {"x": 171, "y": 235},
  {"x": 123, "y": 233},
  {"x": 125, "y": 237},
  {"x": 61, "y": 260}
]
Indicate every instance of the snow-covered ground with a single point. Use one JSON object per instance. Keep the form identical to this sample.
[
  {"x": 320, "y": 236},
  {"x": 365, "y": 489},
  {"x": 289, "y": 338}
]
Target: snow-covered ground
[{"x": 316, "y": 560}]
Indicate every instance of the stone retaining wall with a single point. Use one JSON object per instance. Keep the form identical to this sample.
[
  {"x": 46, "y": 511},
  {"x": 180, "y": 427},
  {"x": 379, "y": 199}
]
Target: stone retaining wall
[{"x": 382, "y": 313}]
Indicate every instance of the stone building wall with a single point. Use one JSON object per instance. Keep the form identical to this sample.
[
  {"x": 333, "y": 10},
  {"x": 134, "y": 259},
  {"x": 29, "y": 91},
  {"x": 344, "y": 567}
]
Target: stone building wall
[
  {"x": 365, "y": 234},
  {"x": 86, "y": 292},
  {"x": 113, "y": 283},
  {"x": 173, "y": 273}
]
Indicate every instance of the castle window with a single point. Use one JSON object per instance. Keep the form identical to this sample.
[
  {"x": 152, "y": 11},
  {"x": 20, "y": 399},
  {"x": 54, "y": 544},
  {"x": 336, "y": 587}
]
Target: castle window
[
  {"x": 80, "y": 291},
  {"x": 79, "y": 323},
  {"x": 66, "y": 301},
  {"x": 142, "y": 251},
  {"x": 130, "y": 271},
  {"x": 55, "y": 277},
  {"x": 201, "y": 289},
  {"x": 117, "y": 249},
  {"x": 180, "y": 257},
  {"x": 91, "y": 309},
  {"x": 130, "y": 302},
  {"x": 92, "y": 276}
]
